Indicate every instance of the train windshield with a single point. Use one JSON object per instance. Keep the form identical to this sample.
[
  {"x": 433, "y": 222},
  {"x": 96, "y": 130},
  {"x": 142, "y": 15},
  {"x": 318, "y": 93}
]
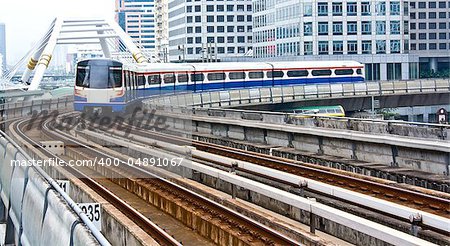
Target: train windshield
[{"x": 99, "y": 77}]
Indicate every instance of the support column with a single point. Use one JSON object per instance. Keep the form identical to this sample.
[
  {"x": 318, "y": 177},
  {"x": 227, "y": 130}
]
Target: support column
[
  {"x": 46, "y": 56},
  {"x": 103, "y": 44},
  {"x": 383, "y": 71},
  {"x": 433, "y": 64}
]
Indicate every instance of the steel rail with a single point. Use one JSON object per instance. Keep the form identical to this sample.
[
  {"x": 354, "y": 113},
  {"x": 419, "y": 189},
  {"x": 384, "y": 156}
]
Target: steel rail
[
  {"x": 277, "y": 237},
  {"x": 147, "y": 225}
]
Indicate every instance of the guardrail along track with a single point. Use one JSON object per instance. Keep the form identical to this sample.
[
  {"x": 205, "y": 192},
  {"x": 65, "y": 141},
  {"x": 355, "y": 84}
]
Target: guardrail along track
[
  {"x": 148, "y": 226},
  {"x": 248, "y": 230},
  {"x": 409, "y": 198}
]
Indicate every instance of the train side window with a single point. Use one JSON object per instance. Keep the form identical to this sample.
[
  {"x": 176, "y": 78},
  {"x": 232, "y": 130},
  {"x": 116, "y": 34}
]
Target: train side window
[
  {"x": 275, "y": 74},
  {"x": 297, "y": 73},
  {"x": 129, "y": 80},
  {"x": 237, "y": 75},
  {"x": 183, "y": 78},
  {"x": 216, "y": 76},
  {"x": 169, "y": 78},
  {"x": 197, "y": 77},
  {"x": 141, "y": 80},
  {"x": 154, "y": 79},
  {"x": 359, "y": 71},
  {"x": 256, "y": 75},
  {"x": 343, "y": 72},
  {"x": 322, "y": 72}
]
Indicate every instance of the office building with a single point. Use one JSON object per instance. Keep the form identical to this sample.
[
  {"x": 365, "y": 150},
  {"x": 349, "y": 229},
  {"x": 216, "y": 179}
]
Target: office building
[
  {"x": 3, "y": 45},
  {"x": 373, "y": 32},
  {"x": 137, "y": 18},
  {"x": 430, "y": 35},
  {"x": 205, "y": 28}
]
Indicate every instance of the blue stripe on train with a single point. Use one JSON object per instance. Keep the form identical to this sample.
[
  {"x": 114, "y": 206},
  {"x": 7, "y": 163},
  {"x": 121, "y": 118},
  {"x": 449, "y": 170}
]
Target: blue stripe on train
[{"x": 132, "y": 95}]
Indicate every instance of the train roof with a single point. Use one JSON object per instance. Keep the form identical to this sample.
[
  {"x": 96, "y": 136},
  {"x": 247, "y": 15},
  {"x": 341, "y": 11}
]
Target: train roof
[{"x": 148, "y": 67}]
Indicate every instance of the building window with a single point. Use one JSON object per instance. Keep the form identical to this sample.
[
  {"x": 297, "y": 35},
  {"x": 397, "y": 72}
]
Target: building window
[
  {"x": 230, "y": 40},
  {"x": 442, "y": 15},
  {"x": 442, "y": 25},
  {"x": 210, "y": 18},
  {"x": 198, "y": 29},
  {"x": 442, "y": 5},
  {"x": 413, "y": 46},
  {"x": 338, "y": 47},
  {"x": 422, "y": 5},
  {"x": 381, "y": 46},
  {"x": 422, "y": 26},
  {"x": 220, "y": 50},
  {"x": 405, "y": 27},
  {"x": 190, "y": 51},
  {"x": 352, "y": 8},
  {"x": 198, "y": 8},
  {"x": 381, "y": 27},
  {"x": 352, "y": 28},
  {"x": 220, "y": 29},
  {"x": 221, "y": 40},
  {"x": 352, "y": 47},
  {"x": 189, "y": 19},
  {"x": 432, "y": 15},
  {"x": 241, "y": 50},
  {"x": 366, "y": 27},
  {"x": 442, "y": 35},
  {"x": 422, "y": 15},
  {"x": 413, "y": 26},
  {"x": 422, "y": 46},
  {"x": 198, "y": 40},
  {"x": 395, "y": 8},
  {"x": 307, "y": 9},
  {"x": 337, "y": 28},
  {"x": 189, "y": 29},
  {"x": 323, "y": 28},
  {"x": 432, "y": 35},
  {"x": 432, "y": 5},
  {"x": 322, "y": 9},
  {"x": 432, "y": 25},
  {"x": 188, "y": 9},
  {"x": 394, "y": 71},
  {"x": 241, "y": 39},
  {"x": 395, "y": 46},
  {"x": 230, "y": 28},
  {"x": 230, "y": 8},
  {"x": 395, "y": 27},
  {"x": 220, "y": 8},
  {"x": 443, "y": 46},
  {"x": 337, "y": 8},
  {"x": 249, "y": 18},
  {"x": 230, "y": 50},
  {"x": 230, "y": 18},
  {"x": 422, "y": 36},
  {"x": 240, "y": 18},
  {"x": 365, "y": 8},
  {"x": 240, "y": 28},
  {"x": 209, "y": 8},
  {"x": 381, "y": 8},
  {"x": 210, "y": 29},
  {"x": 367, "y": 47},
  {"x": 210, "y": 39},
  {"x": 198, "y": 19},
  {"x": 323, "y": 47},
  {"x": 307, "y": 29},
  {"x": 220, "y": 18},
  {"x": 190, "y": 40},
  {"x": 308, "y": 46}
]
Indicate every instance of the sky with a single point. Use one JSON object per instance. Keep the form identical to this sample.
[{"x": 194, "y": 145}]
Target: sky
[{"x": 27, "y": 20}]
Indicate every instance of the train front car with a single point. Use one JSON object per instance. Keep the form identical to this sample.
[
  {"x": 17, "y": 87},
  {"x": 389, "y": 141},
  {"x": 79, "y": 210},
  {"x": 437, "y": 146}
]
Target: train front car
[{"x": 99, "y": 86}]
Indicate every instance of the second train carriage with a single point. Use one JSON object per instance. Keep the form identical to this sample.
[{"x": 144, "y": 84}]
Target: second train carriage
[{"x": 109, "y": 85}]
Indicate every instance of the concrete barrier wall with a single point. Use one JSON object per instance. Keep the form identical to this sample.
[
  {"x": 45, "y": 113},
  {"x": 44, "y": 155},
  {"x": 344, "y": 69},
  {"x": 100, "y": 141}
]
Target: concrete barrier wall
[
  {"x": 36, "y": 213},
  {"x": 26, "y": 108}
]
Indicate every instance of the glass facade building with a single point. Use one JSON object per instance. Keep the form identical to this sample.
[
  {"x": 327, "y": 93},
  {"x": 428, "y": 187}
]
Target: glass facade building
[
  {"x": 373, "y": 32},
  {"x": 137, "y": 19}
]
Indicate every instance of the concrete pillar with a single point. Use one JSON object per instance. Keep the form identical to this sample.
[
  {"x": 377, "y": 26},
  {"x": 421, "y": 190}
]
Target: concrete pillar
[
  {"x": 383, "y": 71},
  {"x": 433, "y": 64},
  {"x": 405, "y": 71}
]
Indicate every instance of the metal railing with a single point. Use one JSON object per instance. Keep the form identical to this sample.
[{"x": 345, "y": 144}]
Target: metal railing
[{"x": 282, "y": 94}]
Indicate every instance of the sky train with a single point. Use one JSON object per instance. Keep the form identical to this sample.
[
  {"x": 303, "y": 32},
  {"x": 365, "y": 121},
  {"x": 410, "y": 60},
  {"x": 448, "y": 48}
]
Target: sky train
[{"x": 107, "y": 85}]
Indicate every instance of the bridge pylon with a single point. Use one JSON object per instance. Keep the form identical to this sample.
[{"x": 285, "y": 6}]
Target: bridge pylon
[{"x": 69, "y": 31}]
